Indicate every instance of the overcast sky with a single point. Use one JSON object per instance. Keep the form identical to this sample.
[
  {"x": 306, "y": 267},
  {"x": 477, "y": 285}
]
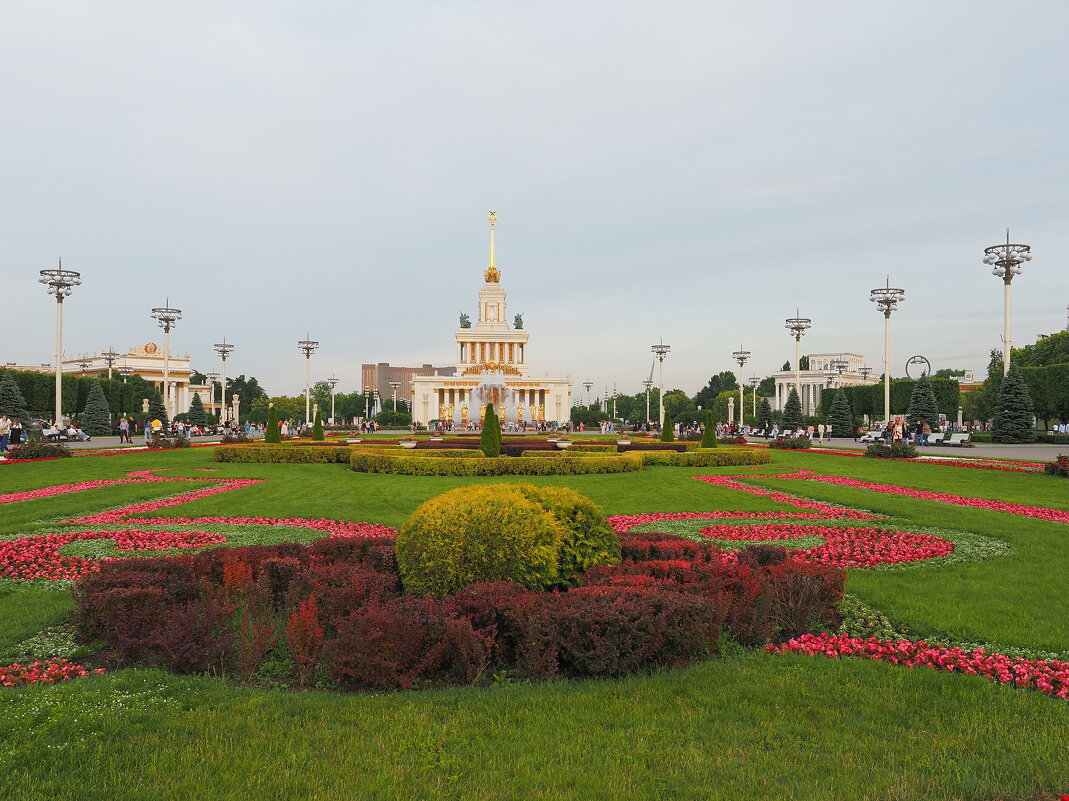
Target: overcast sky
[{"x": 692, "y": 171}]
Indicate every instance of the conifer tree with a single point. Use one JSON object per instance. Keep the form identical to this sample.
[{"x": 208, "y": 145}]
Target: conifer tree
[
  {"x": 12, "y": 401},
  {"x": 272, "y": 432},
  {"x": 156, "y": 409},
  {"x": 841, "y": 418},
  {"x": 792, "y": 411},
  {"x": 317, "y": 429},
  {"x": 490, "y": 437},
  {"x": 96, "y": 417},
  {"x": 764, "y": 412},
  {"x": 197, "y": 415},
  {"x": 709, "y": 436},
  {"x": 1013, "y": 410},
  {"x": 667, "y": 430},
  {"x": 923, "y": 407}
]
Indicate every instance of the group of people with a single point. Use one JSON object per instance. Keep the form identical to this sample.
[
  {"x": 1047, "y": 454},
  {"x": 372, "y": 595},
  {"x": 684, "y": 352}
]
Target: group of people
[{"x": 10, "y": 430}]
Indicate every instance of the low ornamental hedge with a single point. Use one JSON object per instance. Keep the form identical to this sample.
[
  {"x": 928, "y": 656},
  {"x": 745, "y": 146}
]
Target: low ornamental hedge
[
  {"x": 706, "y": 458},
  {"x": 333, "y": 614},
  {"x": 791, "y": 443},
  {"x": 283, "y": 454},
  {"x": 541, "y": 465},
  {"x": 896, "y": 450}
]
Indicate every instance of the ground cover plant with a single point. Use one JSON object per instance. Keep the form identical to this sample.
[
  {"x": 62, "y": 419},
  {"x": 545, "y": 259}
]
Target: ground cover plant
[{"x": 718, "y": 729}]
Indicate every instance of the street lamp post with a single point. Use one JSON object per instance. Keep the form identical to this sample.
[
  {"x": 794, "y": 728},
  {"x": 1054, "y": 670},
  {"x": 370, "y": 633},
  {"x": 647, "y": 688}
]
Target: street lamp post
[
  {"x": 224, "y": 350},
  {"x": 110, "y": 356},
  {"x": 647, "y": 384},
  {"x": 84, "y": 364},
  {"x": 887, "y": 299},
  {"x": 333, "y": 383},
  {"x": 1006, "y": 260},
  {"x": 211, "y": 383},
  {"x": 124, "y": 371},
  {"x": 614, "y": 401},
  {"x": 660, "y": 350},
  {"x": 864, "y": 373},
  {"x": 394, "y": 385},
  {"x": 797, "y": 326},
  {"x": 754, "y": 381},
  {"x": 740, "y": 356},
  {"x": 60, "y": 283},
  {"x": 307, "y": 346},
  {"x": 165, "y": 318},
  {"x": 588, "y": 385}
]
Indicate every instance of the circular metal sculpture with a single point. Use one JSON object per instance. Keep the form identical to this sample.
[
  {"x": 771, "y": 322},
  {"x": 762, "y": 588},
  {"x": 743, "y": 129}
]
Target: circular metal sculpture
[{"x": 915, "y": 360}]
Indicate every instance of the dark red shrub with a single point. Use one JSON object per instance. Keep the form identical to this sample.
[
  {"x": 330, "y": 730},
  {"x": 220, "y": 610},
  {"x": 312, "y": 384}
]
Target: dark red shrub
[
  {"x": 305, "y": 637},
  {"x": 805, "y": 595}
]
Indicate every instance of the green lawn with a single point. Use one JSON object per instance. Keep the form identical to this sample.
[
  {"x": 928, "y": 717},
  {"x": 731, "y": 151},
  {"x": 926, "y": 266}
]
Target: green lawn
[{"x": 739, "y": 727}]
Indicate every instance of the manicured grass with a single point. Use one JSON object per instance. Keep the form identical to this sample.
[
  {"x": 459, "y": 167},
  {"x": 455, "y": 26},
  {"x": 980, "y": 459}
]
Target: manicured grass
[{"x": 738, "y": 727}]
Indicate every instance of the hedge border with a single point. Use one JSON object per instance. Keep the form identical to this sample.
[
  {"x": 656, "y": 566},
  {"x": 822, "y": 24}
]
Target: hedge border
[
  {"x": 707, "y": 458},
  {"x": 275, "y": 454},
  {"x": 500, "y": 466}
]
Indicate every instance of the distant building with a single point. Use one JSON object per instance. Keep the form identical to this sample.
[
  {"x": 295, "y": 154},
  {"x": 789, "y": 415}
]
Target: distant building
[
  {"x": 822, "y": 374},
  {"x": 377, "y": 378}
]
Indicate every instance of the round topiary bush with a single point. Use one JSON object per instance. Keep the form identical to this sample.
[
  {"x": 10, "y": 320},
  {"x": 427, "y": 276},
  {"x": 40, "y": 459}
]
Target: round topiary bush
[{"x": 535, "y": 536}]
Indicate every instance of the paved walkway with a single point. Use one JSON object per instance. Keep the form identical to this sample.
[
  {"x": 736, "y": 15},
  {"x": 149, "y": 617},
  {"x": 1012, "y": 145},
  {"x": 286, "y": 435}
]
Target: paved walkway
[{"x": 1033, "y": 453}]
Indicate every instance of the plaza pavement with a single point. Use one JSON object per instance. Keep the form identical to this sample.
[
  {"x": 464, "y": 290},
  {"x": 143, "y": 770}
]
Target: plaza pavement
[{"x": 1033, "y": 453}]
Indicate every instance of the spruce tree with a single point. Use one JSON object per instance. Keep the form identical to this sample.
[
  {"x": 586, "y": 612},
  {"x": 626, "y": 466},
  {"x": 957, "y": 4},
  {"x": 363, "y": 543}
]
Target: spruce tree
[
  {"x": 490, "y": 437},
  {"x": 764, "y": 412},
  {"x": 272, "y": 432},
  {"x": 709, "y": 436},
  {"x": 96, "y": 417},
  {"x": 667, "y": 431},
  {"x": 317, "y": 429},
  {"x": 841, "y": 418},
  {"x": 1013, "y": 410},
  {"x": 923, "y": 407},
  {"x": 792, "y": 411},
  {"x": 156, "y": 409},
  {"x": 12, "y": 401},
  {"x": 197, "y": 415}
]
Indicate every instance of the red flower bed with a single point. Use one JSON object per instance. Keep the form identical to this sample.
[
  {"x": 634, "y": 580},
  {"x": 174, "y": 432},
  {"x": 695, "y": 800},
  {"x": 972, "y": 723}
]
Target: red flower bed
[
  {"x": 337, "y": 606},
  {"x": 1047, "y": 676},
  {"x": 49, "y": 672}
]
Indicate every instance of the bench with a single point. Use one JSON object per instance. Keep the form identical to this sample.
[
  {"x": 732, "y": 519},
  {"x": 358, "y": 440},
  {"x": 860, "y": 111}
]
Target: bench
[
  {"x": 871, "y": 436},
  {"x": 937, "y": 438},
  {"x": 960, "y": 439}
]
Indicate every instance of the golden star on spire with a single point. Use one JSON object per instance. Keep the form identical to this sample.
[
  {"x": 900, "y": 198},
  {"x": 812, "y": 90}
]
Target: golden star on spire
[{"x": 491, "y": 275}]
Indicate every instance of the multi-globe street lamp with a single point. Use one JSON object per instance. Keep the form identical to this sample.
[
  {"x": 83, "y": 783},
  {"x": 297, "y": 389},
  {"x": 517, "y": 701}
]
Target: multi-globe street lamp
[
  {"x": 110, "y": 356},
  {"x": 754, "y": 381},
  {"x": 1006, "y": 262},
  {"x": 60, "y": 283},
  {"x": 588, "y": 385},
  {"x": 333, "y": 383},
  {"x": 864, "y": 373},
  {"x": 660, "y": 350},
  {"x": 741, "y": 356},
  {"x": 211, "y": 384},
  {"x": 887, "y": 299},
  {"x": 165, "y": 318},
  {"x": 394, "y": 386},
  {"x": 84, "y": 364},
  {"x": 223, "y": 349},
  {"x": 797, "y": 326},
  {"x": 648, "y": 383},
  {"x": 308, "y": 347},
  {"x": 124, "y": 371}
]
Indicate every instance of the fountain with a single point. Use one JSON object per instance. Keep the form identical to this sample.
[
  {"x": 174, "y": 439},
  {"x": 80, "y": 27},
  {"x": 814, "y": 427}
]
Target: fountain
[{"x": 492, "y": 389}]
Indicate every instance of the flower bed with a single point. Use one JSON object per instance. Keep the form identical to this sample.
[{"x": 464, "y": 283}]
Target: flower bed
[
  {"x": 48, "y": 671},
  {"x": 1047, "y": 676}
]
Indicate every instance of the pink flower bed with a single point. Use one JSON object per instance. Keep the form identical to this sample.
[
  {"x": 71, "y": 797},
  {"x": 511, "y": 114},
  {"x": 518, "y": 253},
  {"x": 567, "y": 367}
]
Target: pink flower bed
[
  {"x": 843, "y": 547},
  {"x": 1047, "y": 676},
  {"x": 49, "y": 671},
  {"x": 825, "y": 510},
  {"x": 974, "y": 464}
]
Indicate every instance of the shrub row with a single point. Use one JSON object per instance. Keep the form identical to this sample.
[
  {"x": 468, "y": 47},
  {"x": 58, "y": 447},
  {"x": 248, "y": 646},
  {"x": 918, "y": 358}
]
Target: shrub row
[
  {"x": 896, "y": 450},
  {"x": 277, "y": 454},
  {"x": 333, "y": 614},
  {"x": 706, "y": 458},
  {"x": 500, "y": 466},
  {"x": 791, "y": 443}
]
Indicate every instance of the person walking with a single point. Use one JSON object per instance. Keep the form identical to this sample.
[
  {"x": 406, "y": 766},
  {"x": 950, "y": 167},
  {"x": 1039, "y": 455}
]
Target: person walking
[
  {"x": 16, "y": 432},
  {"x": 926, "y": 430},
  {"x": 820, "y": 433},
  {"x": 124, "y": 430},
  {"x": 5, "y": 431}
]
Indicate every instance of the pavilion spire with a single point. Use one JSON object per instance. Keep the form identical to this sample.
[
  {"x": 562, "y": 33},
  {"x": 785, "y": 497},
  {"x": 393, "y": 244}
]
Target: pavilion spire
[{"x": 492, "y": 275}]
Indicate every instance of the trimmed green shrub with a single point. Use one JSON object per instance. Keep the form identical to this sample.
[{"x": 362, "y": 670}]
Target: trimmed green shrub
[
  {"x": 791, "y": 443},
  {"x": 371, "y": 462},
  {"x": 667, "y": 428},
  {"x": 96, "y": 417},
  {"x": 490, "y": 437},
  {"x": 272, "y": 434},
  {"x": 792, "y": 410},
  {"x": 709, "y": 435},
  {"x": 577, "y": 448},
  {"x": 501, "y": 532},
  {"x": 710, "y": 458},
  {"x": 1013, "y": 420},
  {"x": 40, "y": 450},
  {"x": 278, "y": 454},
  {"x": 896, "y": 450},
  {"x": 436, "y": 453},
  {"x": 317, "y": 429}
]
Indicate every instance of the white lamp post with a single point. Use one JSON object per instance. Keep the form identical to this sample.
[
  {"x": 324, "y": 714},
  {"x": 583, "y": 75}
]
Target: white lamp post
[
  {"x": 1006, "y": 262},
  {"x": 740, "y": 356},
  {"x": 166, "y": 317},
  {"x": 211, "y": 383},
  {"x": 224, "y": 350},
  {"x": 588, "y": 385},
  {"x": 333, "y": 383},
  {"x": 887, "y": 299},
  {"x": 307, "y": 346},
  {"x": 394, "y": 385},
  {"x": 647, "y": 384},
  {"x": 797, "y": 326},
  {"x": 110, "y": 356},
  {"x": 754, "y": 381},
  {"x": 660, "y": 350},
  {"x": 60, "y": 283}
]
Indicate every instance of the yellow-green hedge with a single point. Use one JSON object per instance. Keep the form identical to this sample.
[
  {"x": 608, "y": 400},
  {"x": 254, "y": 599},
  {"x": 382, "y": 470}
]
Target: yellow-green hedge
[
  {"x": 499, "y": 466},
  {"x": 281, "y": 454},
  {"x": 558, "y": 454},
  {"x": 709, "y": 457},
  {"x": 581, "y": 448},
  {"x": 436, "y": 453}
]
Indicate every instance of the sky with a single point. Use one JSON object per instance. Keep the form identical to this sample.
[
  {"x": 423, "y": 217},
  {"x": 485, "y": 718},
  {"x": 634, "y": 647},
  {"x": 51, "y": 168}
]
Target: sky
[{"x": 691, "y": 172}]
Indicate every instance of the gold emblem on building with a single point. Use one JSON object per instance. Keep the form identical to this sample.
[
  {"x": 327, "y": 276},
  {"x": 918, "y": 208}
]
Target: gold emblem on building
[{"x": 150, "y": 348}]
